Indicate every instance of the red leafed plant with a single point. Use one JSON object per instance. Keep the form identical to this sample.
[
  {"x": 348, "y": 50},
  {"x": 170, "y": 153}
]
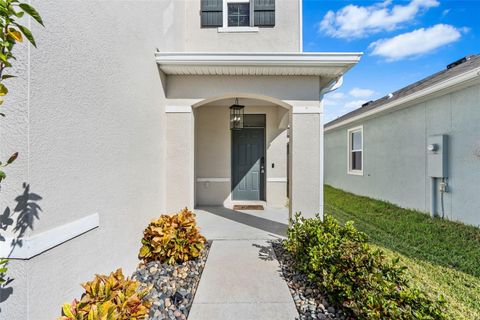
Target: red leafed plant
[{"x": 172, "y": 239}]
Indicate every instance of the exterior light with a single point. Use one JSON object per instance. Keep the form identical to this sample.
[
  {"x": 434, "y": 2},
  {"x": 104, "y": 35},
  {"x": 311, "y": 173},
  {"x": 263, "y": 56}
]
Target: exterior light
[{"x": 236, "y": 116}]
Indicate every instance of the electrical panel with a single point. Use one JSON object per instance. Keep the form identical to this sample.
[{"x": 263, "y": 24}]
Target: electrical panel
[{"x": 437, "y": 156}]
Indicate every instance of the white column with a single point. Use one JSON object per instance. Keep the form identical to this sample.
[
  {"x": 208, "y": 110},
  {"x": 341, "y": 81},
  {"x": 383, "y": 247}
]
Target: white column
[
  {"x": 180, "y": 157},
  {"x": 306, "y": 161}
]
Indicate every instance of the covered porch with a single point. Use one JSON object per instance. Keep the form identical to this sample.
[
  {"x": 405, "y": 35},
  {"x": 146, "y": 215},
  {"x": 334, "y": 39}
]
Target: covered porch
[{"x": 281, "y": 142}]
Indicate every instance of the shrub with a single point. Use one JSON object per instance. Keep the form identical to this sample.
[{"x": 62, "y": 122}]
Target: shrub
[
  {"x": 112, "y": 297},
  {"x": 172, "y": 239},
  {"x": 339, "y": 259}
]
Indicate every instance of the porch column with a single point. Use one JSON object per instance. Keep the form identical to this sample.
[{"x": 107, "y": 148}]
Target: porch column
[
  {"x": 306, "y": 161},
  {"x": 179, "y": 164}
]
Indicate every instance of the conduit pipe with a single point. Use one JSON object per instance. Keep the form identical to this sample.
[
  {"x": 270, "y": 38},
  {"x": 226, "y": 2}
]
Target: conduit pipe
[{"x": 433, "y": 197}]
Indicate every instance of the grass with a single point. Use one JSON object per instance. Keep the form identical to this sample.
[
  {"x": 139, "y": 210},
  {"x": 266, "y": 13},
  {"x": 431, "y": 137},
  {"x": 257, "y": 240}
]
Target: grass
[{"x": 442, "y": 257}]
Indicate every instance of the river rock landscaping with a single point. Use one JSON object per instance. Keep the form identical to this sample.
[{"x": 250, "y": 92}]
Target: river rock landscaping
[
  {"x": 310, "y": 302},
  {"x": 173, "y": 286}
]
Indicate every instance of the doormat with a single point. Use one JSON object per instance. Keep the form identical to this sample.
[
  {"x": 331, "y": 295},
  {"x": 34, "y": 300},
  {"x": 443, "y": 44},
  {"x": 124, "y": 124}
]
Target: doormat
[{"x": 247, "y": 207}]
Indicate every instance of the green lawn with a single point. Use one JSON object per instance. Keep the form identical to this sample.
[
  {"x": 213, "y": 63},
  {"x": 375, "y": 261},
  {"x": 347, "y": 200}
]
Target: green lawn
[{"x": 441, "y": 256}]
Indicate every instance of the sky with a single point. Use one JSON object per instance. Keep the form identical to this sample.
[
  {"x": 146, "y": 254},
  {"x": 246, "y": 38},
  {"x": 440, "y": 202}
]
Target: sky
[{"x": 402, "y": 42}]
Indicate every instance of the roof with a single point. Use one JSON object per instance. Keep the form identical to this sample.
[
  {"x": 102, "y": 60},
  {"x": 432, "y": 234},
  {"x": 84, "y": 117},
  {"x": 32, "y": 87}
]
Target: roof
[
  {"x": 324, "y": 64},
  {"x": 452, "y": 75}
]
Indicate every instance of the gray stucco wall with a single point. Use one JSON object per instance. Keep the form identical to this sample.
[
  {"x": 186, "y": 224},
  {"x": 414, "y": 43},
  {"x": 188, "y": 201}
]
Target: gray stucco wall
[
  {"x": 87, "y": 115},
  {"x": 395, "y": 158}
]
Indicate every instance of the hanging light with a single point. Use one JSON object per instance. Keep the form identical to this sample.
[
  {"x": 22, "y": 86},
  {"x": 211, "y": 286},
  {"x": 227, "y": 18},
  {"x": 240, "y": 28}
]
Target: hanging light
[{"x": 236, "y": 116}]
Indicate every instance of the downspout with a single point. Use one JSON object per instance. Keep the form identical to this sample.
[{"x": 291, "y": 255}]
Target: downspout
[
  {"x": 433, "y": 197},
  {"x": 332, "y": 86}
]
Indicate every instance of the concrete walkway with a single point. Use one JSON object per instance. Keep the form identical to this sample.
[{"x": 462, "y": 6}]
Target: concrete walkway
[{"x": 242, "y": 279}]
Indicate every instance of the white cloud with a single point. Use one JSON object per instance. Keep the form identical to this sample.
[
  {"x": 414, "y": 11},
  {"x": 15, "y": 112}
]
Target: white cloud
[
  {"x": 354, "y": 104},
  {"x": 354, "y": 21},
  {"x": 336, "y": 95},
  {"x": 361, "y": 93},
  {"x": 415, "y": 43},
  {"x": 333, "y": 98}
]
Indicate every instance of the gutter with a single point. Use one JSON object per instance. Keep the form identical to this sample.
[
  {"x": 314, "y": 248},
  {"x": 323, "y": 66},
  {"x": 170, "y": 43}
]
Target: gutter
[
  {"x": 458, "y": 80},
  {"x": 261, "y": 58}
]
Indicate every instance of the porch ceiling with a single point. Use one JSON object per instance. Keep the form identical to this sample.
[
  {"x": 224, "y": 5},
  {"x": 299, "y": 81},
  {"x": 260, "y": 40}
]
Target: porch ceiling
[{"x": 324, "y": 64}]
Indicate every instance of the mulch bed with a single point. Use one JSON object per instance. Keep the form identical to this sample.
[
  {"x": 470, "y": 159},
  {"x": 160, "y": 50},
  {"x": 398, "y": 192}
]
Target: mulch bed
[
  {"x": 174, "y": 286},
  {"x": 309, "y": 300}
]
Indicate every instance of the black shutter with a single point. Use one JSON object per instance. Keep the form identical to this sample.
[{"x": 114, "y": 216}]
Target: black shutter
[
  {"x": 264, "y": 13},
  {"x": 212, "y": 13}
]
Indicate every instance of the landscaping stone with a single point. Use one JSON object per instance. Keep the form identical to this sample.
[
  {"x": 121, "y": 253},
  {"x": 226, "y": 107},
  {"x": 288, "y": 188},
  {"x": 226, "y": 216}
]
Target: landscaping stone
[
  {"x": 311, "y": 303},
  {"x": 173, "y": 286}
]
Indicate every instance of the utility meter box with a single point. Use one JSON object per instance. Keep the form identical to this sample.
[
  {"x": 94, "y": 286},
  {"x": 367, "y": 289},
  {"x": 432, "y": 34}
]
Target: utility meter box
[{"x": 437, "y": 156}]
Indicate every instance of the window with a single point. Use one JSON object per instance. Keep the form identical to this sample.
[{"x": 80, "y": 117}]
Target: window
[
  {"x": 355, "y": 150},
  {"x": 239, "y": 14}
]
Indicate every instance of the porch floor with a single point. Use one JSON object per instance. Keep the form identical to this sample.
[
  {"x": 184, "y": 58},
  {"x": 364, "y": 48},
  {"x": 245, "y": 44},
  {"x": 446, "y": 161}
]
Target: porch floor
[
  {"x": 242, "y": 278},
  {"x": 219, "y": 223}
]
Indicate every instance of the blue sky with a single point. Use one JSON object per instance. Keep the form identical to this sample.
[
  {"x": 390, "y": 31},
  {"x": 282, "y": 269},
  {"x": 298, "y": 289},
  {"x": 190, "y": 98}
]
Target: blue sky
[{"x": 402, "y": 41}]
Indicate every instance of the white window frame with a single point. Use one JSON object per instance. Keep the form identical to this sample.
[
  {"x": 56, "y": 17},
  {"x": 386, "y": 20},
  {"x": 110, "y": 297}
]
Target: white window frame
[
  {"x": 350, "y": 151},
  {"x": 226, "y": 28}
]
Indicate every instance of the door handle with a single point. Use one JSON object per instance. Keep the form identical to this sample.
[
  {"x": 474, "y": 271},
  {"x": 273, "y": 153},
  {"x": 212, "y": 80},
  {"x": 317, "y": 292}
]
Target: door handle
[{"x": 262, "y": 165}]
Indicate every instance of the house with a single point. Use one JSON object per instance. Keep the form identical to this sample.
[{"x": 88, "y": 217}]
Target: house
[
  {"x": 131, "y": 109},
  {"x": 418, "y": 147}
]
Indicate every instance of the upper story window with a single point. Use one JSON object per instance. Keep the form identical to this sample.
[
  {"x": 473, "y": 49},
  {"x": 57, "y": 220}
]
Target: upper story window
[
  {"x": 355, "y": 150},
  {"x": 237, "y": 15}
]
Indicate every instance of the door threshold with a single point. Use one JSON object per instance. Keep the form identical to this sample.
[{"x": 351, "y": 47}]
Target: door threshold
[
  {"x": 236, "y": 203},
  {"x": 240, "y": 207}
]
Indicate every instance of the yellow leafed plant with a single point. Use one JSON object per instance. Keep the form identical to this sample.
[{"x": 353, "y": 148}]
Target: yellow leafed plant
[
  {"x": 172, "y": 239},
  {"x": 111, "y": 297}
]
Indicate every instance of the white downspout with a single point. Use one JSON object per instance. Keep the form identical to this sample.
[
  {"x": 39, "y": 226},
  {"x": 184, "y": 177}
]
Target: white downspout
[
  {"x": 332, "y": 86},
  {"x": 433, "y": 197}
]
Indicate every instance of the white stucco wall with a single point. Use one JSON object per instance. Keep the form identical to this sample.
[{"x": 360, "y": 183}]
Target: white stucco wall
[
  {"x": 284, "y": 37},
  {"x": 187, "y": 91},
  {"x": 87, "y": 115},
  {"x": 395, "y": 162},
  {"x": 213, "y": 152}
]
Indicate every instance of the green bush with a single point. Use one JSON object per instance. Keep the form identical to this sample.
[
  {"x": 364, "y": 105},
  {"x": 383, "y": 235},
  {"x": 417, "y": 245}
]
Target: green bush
[
  {"x": 352, "y": 274},
  {"x": 172, "y": 239},
  {"x": 111, "y": 297}
]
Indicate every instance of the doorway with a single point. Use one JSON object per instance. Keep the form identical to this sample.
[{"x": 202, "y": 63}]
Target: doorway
[{"x": 248, "y": 159}]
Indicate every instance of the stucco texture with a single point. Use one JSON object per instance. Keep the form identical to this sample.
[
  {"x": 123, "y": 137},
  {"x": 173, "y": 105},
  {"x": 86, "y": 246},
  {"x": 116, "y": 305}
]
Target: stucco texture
[
  {"x": 86, "y": 114},
  {"x": 284, "y": 37},
  {"x": 213, "y": 151},
  {"x": 395, "y": 156}
]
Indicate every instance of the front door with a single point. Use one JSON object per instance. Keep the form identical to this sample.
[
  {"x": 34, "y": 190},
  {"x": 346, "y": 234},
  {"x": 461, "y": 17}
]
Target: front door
[{"x": 248, "y": 164}]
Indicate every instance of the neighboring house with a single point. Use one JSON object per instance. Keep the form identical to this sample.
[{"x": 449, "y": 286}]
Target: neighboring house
[
  {"x": 123, "y": 113},
  {"x": 391, "y": 148}
]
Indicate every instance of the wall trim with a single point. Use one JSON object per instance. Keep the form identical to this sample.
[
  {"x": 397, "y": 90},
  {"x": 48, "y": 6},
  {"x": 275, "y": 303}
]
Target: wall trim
[
  {"x": 178, "y": 109},
  {"x": 39, "y": 243},
  {"x": 284, "y": 179},
  {"x": 213, "y": 179},
  {"x": 237, "y": 29},
  {"x": 307, "y": 110}
]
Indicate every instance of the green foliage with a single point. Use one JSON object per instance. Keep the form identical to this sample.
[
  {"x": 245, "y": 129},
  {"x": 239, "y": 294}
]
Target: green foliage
[
  {"x": 12, "y": 33},
  {"x": 112, "y": 297},
  {"x": 3, "y": 270},
  {"x": 172, "y": 239},
  {"x": 351, "y": 273},
  {"x": 442, "y": 256}
]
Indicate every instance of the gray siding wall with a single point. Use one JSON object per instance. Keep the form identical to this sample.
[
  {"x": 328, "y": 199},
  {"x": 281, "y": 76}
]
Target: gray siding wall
[{"x": 395, "y": 163}]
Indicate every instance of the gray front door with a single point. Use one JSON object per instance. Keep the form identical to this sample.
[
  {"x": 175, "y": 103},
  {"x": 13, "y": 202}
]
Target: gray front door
[{"x": 248, "y": 162}]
